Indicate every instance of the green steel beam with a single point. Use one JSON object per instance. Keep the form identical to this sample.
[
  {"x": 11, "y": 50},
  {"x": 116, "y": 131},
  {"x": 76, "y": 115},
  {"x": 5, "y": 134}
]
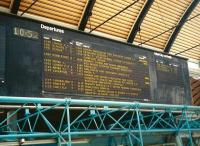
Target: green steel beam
[
  {"x": 7, "y": 99},
  {"x": 131, "y": 119}
]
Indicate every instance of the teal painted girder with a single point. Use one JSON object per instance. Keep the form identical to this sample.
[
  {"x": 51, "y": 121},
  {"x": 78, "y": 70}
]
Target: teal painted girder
[{"x": 38, "y": 118}]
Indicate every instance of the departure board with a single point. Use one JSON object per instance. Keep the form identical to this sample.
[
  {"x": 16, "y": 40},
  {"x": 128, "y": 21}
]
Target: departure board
[
  {"x": 169, "y": 68},
  {"x": 79, "y": 68},
  {"x": 43, "y": 60},
  {"x": 170, "y": 79}
]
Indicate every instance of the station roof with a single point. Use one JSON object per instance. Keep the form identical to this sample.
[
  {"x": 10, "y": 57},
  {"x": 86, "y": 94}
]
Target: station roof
[{"x": 170, "y": 26}]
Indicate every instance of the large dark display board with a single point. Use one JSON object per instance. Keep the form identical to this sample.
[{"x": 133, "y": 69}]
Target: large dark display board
[
  {"x": 80, "y": 67},
  {"x": 2, "y": 52},
  {"x": 43, "y": 59},
  {"x": 2, "y": 59}
]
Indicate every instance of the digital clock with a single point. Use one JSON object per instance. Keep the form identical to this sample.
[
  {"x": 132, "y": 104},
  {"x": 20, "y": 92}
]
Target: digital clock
[{"x": 26, "y": 33}]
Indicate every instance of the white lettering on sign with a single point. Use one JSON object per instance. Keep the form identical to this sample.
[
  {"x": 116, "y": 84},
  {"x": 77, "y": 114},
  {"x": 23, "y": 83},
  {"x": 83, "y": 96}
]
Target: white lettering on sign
[{"x": 49, "y": 28}]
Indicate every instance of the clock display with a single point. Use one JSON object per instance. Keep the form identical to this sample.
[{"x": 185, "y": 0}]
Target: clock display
[{"x": 26, "y": 33}]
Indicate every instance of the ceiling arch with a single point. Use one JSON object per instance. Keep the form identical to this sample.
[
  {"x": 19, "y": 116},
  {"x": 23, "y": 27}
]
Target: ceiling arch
[{"x": 152, "y": 23}]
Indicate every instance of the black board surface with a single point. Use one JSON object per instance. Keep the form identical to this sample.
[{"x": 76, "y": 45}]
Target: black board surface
[{"x": 2, "y": 51}]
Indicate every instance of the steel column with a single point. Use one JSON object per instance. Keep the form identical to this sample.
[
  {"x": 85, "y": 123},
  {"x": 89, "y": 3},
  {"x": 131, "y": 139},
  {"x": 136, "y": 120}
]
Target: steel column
[
  {"x": 136, "y": 26},
  {"x": 86, "y": 14},
  {"x": 14, "y": 6}
]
